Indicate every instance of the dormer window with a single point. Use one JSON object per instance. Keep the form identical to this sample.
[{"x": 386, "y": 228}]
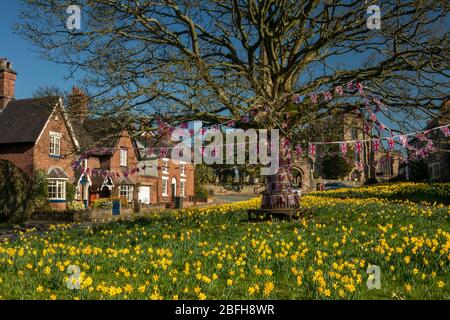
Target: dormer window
[
  {"x": 123, "y": 157},
  {"x": 55, "y": 144}
]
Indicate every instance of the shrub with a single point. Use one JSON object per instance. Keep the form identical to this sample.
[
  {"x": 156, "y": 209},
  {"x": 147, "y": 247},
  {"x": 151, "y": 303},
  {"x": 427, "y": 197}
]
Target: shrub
[
  {"x": 17, "y": 193},
  {"x": 75, "y": 205},
  {"x": 102, "y": 204},
  {"x": 70, "y": 192},
  {"x": 40, "y": 186},
  {"x": 201, "y": 193},
  {"x": 335, "y": 167},
  {"x": 68, "y": 215},
  {"x": 370, "y": 181}
]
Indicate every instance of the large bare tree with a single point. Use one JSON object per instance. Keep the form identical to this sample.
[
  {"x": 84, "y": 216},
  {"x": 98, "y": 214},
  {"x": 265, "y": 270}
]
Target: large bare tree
[{"x": 217, "y": 60}]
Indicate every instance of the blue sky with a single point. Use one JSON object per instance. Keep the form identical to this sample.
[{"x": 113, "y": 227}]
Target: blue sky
[{"x": 33, "y": 71}]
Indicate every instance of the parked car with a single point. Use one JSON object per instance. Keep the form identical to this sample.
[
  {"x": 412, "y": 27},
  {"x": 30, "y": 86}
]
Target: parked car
[{"x": 335, "y": 185}]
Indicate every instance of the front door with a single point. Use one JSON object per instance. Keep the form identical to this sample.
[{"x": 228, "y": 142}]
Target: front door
[
  {"x": 174, "y": 188},
  {"x": 144, "y": 194}
]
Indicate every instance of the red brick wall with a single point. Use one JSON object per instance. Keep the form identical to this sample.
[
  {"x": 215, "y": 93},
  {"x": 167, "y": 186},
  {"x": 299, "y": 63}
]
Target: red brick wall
[
  {"x": 174, "y": 172},
  {"x": 42, "y": 159},
  {"x": 124, "y": 142},
  {"x": 6, "y": 87}
]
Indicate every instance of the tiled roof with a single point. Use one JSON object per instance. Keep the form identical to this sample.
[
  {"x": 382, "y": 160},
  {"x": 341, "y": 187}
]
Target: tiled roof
[
  {"x": 22, "y": 121},
  {"x": 57, "y": 173}
]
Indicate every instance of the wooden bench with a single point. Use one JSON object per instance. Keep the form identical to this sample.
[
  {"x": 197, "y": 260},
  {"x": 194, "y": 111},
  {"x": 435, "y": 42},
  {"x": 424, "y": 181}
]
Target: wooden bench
[{"x": 278, "y": 211}]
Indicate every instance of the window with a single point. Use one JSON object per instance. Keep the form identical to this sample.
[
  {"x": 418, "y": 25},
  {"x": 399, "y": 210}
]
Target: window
[
  {"x": 386, "y": 167},
  {"x": 126, "y": 192},
  {"x": 182, "y": 188},
  {"x": 55, "y": 144},
  {"x": 123, "y": 157},
  {"x": 57, "y": 189},
  {"x": 164, "y": 187},
  {"x": 165, "y": 166},
  {"x": 435, "y": 170},
  {"x": 183, "y": 170},
  {"x": 354, "y": 133}
]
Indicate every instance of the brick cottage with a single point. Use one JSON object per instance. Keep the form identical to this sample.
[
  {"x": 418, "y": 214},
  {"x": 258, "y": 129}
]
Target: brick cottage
[{"x": 41, "y": 134}]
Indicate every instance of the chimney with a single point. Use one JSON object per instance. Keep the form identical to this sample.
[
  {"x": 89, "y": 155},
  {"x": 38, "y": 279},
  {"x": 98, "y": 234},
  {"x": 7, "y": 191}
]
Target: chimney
[
  {"x": 7, "y": 80},
  {"x": 78, "y": 106}
]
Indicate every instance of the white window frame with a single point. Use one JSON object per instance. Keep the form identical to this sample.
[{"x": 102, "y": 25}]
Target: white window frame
[
  {"x": 55, "y": 144},
  {"x": 60, "y": 189},
  {"x": 183, "y": 188},
  {"x": 126, "y": 191},
  {"x": 123, "y": 157},
  {"x": 165, "y": 189},
  {"x": 183, "y": 169},
  {"x": 165, "y": 166},
  {"x": 387, "y": 167},
  {"x": 435, "y": 167}
]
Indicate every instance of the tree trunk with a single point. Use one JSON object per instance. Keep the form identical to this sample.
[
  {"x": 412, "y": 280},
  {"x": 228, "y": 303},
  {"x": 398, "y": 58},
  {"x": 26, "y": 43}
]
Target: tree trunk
[{"x": 278, "y": 193}]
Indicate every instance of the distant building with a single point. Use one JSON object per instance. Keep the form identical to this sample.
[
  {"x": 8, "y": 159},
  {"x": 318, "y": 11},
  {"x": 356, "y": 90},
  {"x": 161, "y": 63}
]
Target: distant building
[
  {"x": 381, "y": 165},
  {"x": 438, "y": 162}
]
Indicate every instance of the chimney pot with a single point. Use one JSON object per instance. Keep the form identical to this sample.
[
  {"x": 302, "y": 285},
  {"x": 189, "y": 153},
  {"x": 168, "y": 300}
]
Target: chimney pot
[{"x": 7, "y": 82}]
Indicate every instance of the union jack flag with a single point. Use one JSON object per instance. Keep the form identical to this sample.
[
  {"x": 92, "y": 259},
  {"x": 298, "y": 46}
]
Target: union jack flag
[
  {"x": 360, "y": 88},
  {"x": 171, "y": 130},
  {"x": 327, "y": 96},
  {"x": 231, "y": 123},
  {"x": 391, "y": 143},
  {"x": 149, "y": 151},
  {"x": 376, "y": 145},
  {"x": 163, "y": 153},
  {"x": 343, "y": 147},
  {"x": 339, "y": 91},
  {"x": 184, "y": 125},
  {"x": 421, "y": 137},
  {"x": 203, "y": 131},
  {"x": 373, "y": 117},
  {"x": 312, "y": 150},
  {"x": 191, "y": 132},
  {"x": 381, "y": 127},
  {"x": 445, "y": 131},
  {"x": 358, "y": 147},
  {"x": 404, "y": 141},
  {"x": 313, "y": 97},
  {"x": 297, "y": 98},
  {"x": 350, "y": 85}
]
